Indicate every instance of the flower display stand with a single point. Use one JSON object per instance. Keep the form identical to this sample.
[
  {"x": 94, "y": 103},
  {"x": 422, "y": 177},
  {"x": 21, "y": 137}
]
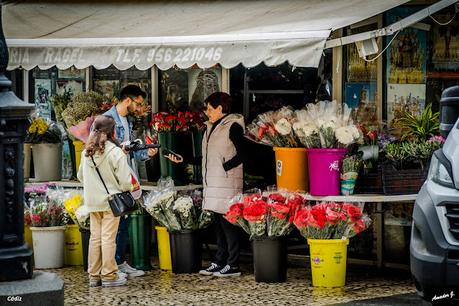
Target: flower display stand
[
  {"x": 328, "y": 262},
  {"x": 407, "y": 181},
  {"x": 164, "y": 248},
  {"x": 73, "y": 251},
  {"x": 85, "y": 236},
  {"x": 140, "y": 237},
  {"x": 47, "y": 160},
  {"x": 324, "y": 171},
  {"x": 186, "y": 251},
  {"x": 291, "y": 169},
  {"x": 270, "y": 259},
  {"x": 48, "y": 246}
]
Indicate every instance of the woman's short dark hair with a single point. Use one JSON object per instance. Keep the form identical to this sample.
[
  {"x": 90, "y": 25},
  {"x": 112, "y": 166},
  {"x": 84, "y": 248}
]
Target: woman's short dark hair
[
  {"x": 220, "y": 98},
  {"x": 103, "y": 129}
]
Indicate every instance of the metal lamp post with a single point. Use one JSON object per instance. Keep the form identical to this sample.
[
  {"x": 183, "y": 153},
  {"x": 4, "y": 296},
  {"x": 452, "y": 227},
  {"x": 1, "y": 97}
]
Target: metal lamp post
[{"x": 15, "y": 256}]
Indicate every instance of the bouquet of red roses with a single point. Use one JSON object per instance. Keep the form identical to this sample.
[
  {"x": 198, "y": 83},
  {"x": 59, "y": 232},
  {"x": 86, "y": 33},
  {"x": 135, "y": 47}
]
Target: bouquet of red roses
[
  {"x": 179, "y": 122},
  {"x": 270, "y": 215},
  {"x": 331, "y": 221}
]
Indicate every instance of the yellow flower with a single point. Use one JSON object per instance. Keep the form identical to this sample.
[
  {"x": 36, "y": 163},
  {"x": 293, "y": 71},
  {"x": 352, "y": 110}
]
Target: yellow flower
[{"x": 72, "y": 204}]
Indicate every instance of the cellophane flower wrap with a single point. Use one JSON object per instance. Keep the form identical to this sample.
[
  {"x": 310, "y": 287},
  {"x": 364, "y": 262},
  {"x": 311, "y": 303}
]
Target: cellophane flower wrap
[
  {"x": 75, "y": 208},
  {"x": 178, "y": 211},
  {"x": 270, "y": 215},
  {"x": 159, "y": 205},
  {"x": 274, "y": 128},
  {"x": 331, "y": 221},
  {"x": 47, "y": 210},
  {"x": 326, "y": 125}
]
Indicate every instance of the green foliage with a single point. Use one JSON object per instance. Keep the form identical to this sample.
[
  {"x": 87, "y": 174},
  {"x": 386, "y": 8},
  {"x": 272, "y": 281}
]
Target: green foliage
[
  {"x": 60, "y": 102},
  {"x": 351, "y": 163},
  {"x": 419, "y": 127},
  {"x": 410, "y": 154}
]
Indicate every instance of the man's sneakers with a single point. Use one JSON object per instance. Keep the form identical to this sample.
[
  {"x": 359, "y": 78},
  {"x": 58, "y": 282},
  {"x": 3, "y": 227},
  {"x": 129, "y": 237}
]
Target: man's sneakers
[
  {"x": 130, "y": 271},
  {"x": 120, "y": 280},
  {"x": 211, "y": 269},
  {"x": 228, "y": 271}
]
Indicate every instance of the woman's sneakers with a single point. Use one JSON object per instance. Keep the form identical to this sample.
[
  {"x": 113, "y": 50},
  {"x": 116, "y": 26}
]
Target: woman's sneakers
[
  {"x": 211, "y": 269},
  {"x": 120, "y": 280},
  {"x": 228, "y": 271},
  {"x": 130, "y": 271}
]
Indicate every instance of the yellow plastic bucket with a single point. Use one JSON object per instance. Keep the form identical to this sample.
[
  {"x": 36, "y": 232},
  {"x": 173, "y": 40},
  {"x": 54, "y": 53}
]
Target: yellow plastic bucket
[
  {"x": 28, "y": 236},
  {"x": 73, "y": 250},
  {"x": 292, "y": 168},
  {"x": 164, "y": 248},
  {"x": 328, "y": 262},
  {"x": 79, "y": 147}
]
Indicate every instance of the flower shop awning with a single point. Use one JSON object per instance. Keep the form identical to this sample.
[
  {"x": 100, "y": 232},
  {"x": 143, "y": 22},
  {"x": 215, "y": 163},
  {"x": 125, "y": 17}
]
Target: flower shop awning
[{"x": 183, "y": 33}]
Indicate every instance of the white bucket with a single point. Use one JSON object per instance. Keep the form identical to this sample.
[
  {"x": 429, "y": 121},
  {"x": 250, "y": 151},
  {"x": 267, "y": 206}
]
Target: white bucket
[
  {"x": 48, "y": 246},
  {"x": 47, "y": 161}
]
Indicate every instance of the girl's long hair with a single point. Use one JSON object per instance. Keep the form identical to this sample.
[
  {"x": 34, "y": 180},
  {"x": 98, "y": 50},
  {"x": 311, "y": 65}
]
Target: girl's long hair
[{"x": 103, "y": 130}]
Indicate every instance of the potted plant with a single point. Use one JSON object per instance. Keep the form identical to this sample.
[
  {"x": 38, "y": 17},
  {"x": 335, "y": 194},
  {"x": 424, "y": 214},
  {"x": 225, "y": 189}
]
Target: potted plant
[
  {"x": 328, "y": 228},
  {"x": 46, "y": 139},
  {"x": 48, "y": 221},
  {"x": 407, "y": 163},
  {"x": 268, "y": 220},
  {"x": 183, "y": 217}
]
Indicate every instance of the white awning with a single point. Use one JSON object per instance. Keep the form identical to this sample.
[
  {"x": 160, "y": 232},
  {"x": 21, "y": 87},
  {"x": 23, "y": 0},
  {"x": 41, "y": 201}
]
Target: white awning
[{"x": 182, "y": 33}]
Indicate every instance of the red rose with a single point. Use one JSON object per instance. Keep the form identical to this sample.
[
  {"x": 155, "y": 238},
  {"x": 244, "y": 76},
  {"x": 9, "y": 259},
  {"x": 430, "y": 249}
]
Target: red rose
[
  {"x": 354, "y": 212},
  {"x": 301, "y": 218}
]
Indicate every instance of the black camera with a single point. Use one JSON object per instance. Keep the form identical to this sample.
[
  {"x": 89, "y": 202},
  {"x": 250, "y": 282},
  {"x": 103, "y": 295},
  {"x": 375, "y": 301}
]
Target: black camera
[{"x": 137, "y": 146}]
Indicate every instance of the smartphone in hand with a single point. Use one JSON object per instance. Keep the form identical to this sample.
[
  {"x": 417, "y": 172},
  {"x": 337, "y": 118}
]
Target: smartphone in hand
[{"x": 166, "y": 153}]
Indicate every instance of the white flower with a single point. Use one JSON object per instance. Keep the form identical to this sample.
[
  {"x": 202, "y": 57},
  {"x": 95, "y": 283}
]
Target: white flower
[
  {"x": 344, "y": 135},
  {"x": 82, "y": 214},
  {"x": 283, "y": 127},
  {"x": 183, "y": 206}
]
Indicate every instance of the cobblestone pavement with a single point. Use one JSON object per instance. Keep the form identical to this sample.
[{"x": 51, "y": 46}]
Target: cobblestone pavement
[{"x": 164, "y": 288}]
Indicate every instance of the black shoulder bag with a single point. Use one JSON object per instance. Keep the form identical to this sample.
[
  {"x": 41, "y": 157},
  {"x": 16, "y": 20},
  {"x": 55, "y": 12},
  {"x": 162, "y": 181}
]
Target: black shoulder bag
[{"x": 121, "y": 203}]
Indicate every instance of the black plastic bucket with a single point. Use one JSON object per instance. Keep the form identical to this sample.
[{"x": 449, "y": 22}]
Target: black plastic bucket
[
  {"x": 85, "y": 235},
  {"x": 186, "y": 251},
  {"x": 270, "y": 259}
]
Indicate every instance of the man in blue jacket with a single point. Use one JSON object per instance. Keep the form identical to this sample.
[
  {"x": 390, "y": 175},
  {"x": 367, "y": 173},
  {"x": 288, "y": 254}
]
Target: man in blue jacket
[{"x": 131, "y": 99}]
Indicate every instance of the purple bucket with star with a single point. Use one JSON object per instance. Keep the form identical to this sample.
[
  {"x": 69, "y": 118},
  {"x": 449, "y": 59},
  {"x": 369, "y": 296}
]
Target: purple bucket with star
[{"x": 324, "y": 171}]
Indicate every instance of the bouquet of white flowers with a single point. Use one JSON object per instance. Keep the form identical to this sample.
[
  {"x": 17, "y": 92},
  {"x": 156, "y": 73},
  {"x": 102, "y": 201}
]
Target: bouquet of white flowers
[
  {"x": 159, "y": 205},
  {"x": 177, "y": 212},
  {"x": 326, "y": 125}
]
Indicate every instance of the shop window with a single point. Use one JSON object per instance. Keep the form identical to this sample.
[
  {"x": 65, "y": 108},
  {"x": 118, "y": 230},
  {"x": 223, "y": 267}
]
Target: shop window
[
  {"x": 261, "y": 88},
  {"x": 442, "y": 55},
  {"x": 186, "y": 89},
  {"x": 46, "y": 83},
  {"x": 405, "y": 67},
  {"x": 360, "y": 86},
  {"x": 110, "y": 81}
]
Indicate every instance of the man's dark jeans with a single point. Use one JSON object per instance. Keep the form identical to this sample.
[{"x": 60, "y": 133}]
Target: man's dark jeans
[{"x": 122, "y": 239}]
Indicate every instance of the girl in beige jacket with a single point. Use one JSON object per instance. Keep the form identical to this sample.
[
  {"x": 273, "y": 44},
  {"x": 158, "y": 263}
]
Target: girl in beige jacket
[{"x": 115, "y": 171}]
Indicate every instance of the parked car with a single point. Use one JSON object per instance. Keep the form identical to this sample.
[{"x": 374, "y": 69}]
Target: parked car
[{"x": 434, "y": 246}]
